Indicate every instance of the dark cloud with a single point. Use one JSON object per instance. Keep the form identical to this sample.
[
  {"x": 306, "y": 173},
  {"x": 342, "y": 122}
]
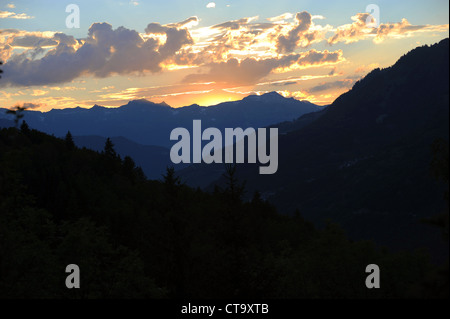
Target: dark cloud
[
  {"x": 183, "y": 23},
  {"x": 333, "y": 71},
  {"x": 250, "y": 70},
  {"x": 27, "y": 106},
  {"x": 233, "y": 25},
  {"x": 176, "y": 38},
  {"x": 284, "y": 83},
  {"x": 339, "y": 84},
  {"x": 104, "y": 52},
  {"x": 30, "y": 105},
  {"x": 300, "y": 35},
  {"x": 33, "y": 41}
]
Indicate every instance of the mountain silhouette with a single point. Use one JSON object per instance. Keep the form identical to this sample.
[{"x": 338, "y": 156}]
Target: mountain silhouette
[
  {"x": 365, "y": 161},
  {"x": 149, "y": 123}
]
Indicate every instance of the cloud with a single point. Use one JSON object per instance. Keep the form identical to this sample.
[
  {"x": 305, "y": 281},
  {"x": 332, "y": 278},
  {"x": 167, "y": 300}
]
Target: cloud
[
  {"x": 13, "y": 15},
  {"x": 294, "y": 80},
  {"x": 366, "y": 68},
  {"x": 352, "y": 32},
  {"x": 299, "y": 95},
  {"x": 360, "y": 30},
  {"x": 12, "y": 38},
  {"x": 242, "y": 51},
  {"x": 175, "y": 38},
  {"x": 192, "y": 21},
  {"x": 235, "y": 24},
  {"x": 29, "y": 105},
  {"x": 39, "y": 93},
  {"x": 66, "y": 88},
  {"x": 211, "y": 5},
  {"x": 339, "y": 84},
  {"x": 333, "y": 71},
  {"x": 104, "y": 52},
  {"x": 404, "y": 28},
  {"x": 11, "y": 5},
  {"x": 236, "y": 38},
  {"x": 281, "y": 18},
  {"x": 156, "y": 92},
  {"x": 298, "y": 36},
  {"x": 32, "y": 41},
  {"x": 250, "y": 70},
  {"x": 266, "y": 39},
  {"x": 48, "y": 103}
]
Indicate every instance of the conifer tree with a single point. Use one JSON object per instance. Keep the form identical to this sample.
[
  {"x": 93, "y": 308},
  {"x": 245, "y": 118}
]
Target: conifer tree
[
  {"x": 69, "y": 141},
  {"x": 24, "y": 128},
  {"x": 109, "y": 150}
]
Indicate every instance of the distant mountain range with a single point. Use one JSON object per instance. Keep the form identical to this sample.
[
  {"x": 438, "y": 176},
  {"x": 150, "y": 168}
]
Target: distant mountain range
[
  {"x": 149, "y": 123},
  {"x": 364, "y": 161},
  {"x": 141, "y": 129}
]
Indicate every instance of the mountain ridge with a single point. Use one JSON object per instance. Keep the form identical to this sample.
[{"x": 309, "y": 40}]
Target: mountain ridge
[
  {"x": 370, "y": 152},
  {"x": 150, "y": 123}
]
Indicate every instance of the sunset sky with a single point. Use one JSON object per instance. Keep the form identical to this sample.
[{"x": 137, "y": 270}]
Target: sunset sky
[{"x": 205, "y": 52}]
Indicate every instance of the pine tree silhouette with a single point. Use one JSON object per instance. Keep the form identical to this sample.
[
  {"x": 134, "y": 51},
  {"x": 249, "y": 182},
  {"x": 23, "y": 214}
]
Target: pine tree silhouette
[
  {"x": 171, "y": 181},
  {"x": 24, "y": 128},
  {"x": 69, "y": 141},
  {"x": 109, "y": 150}
]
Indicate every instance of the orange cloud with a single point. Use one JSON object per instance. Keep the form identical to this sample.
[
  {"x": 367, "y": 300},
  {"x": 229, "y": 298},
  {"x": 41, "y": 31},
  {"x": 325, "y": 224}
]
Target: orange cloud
[
  {"x": 13, "y": 15},
  {"x": 403, "y": 29},
  {"x": 360, "y": 30},
  {"x": 39, "y": 92}
]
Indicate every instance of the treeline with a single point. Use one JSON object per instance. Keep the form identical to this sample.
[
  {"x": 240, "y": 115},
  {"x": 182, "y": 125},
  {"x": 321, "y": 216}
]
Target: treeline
[{"x": 136, "y": 238}]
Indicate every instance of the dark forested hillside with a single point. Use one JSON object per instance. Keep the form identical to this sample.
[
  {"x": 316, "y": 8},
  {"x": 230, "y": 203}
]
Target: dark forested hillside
[
  {"x": 152, "y": 159},
  {"x": 366, "y": 162},
  {"x": 132, "y": 237}
]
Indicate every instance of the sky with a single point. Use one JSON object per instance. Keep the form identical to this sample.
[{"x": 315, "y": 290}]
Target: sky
[{"x": 205, "y": 52}]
